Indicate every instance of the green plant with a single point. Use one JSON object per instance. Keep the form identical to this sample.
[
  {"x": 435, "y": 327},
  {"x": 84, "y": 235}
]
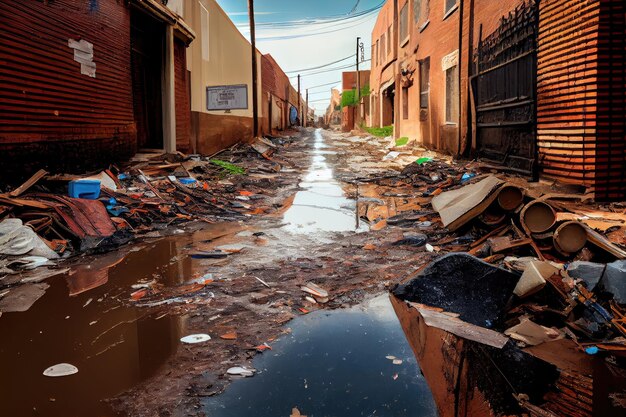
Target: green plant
[
  {"x": 229, "y": 167},
  {"x": 402, "y": 141},
  {"x": 348, "y": 97},
  {"x": 381, "y": 132}
]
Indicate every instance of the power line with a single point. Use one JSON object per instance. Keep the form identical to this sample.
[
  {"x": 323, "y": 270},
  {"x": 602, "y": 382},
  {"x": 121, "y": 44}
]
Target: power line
[
  {"x": 355, "y": 6},
  {"x": 331, "y": 69},
  {"x": 318, "y": 92},
  {"x": 320, "y": 66},
  {"x": 315, "y": 21},
  {"x": 307, "y": 34},
  {"x": 325, "y": 85}
]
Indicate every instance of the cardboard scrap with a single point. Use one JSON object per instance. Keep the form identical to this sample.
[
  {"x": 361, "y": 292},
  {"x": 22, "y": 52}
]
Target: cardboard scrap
[
  {"x": 459, "y": 206},
  {"x": 532, "y": 333}
]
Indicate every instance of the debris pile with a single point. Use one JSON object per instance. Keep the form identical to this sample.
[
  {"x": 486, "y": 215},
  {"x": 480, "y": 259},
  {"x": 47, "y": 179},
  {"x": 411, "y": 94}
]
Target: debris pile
[
  {"x": 548, "y": 287},
  {"x": 50, "y": 217}
]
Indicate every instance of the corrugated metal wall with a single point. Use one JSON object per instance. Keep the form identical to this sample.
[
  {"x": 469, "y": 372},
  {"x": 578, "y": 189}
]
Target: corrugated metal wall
[
  {"x": 611, "y": 115},
  {"x": 182, "y": 100},
  {"x": 567, "y": 72},
  {"x": 581, "y": 85},
  {"x": 46, "y": 104}
]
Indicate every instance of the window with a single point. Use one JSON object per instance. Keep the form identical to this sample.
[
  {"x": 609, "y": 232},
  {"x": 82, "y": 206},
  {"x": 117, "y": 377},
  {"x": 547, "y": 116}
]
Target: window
[
  {"x": 404, "y": 22},
  {"x": 383, "y": 54},
  {"x": 449, "y": 6},
  {"x": 405, "y": 102},
  {"x": 204, "y": 22},
  {"x": 389, "y": 37},
  {"x": 424, "y": 82},
  {"x": 417, "y": 5},
  {"x": 452, "y": 95},
  {"x": 376, "y": 53}
]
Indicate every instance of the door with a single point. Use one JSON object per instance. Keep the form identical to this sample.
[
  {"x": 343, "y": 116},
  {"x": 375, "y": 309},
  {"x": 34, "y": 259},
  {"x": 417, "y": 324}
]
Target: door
[
  {"x": 147, "y": 38},
  {"x": 504, "y": 89}
]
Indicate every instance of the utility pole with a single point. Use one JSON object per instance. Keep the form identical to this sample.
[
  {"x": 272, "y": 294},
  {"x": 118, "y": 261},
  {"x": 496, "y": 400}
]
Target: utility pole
[
  {"x": 357, "y": 96},
  {"x": 255, "y": 110},
  {"x": 299, "y": 101},
  {"x": 306, "y": 121}
]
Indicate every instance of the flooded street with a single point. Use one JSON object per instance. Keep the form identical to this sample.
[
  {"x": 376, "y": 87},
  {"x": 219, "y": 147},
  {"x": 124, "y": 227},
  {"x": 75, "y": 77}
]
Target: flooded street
[
  {"x": 119, "y": 317},
  {"x": 334, "y": 363},
  {"x": 322, "y": 205},
  {"x": 85, "y": 318}
]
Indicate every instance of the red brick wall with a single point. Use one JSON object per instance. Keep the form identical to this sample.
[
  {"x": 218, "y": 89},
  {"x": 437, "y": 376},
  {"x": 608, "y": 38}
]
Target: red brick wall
[
  {"x": 275, "y": 84},
  {"x": 51, "y": 115},
  {"x": 181, "y": 91}
]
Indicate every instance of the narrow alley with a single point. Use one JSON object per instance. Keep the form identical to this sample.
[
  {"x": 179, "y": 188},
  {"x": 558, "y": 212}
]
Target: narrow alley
[{"x": 265, "y": 208}]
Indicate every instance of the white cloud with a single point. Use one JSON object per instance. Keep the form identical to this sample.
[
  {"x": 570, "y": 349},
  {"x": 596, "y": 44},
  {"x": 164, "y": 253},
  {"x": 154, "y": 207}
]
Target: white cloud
[{"x": 313, "y": 51}]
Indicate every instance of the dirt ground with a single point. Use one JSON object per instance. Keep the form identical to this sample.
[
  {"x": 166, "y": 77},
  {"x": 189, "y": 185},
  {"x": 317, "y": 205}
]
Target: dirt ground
[
  {"x": 301, "y": 227},
  {"x": 350, "y": 266}
]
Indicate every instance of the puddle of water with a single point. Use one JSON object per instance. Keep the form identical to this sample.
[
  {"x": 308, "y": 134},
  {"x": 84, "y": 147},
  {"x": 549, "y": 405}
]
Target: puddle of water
[
  {"x": 83, "y": 319},
  {"x": 333, "y": 363},
  {"x": 322, "y": 206}
]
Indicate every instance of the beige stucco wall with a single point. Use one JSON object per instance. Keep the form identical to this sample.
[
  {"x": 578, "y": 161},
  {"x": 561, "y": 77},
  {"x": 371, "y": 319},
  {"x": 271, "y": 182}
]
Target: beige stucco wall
[{"x": 229, "y": 60}]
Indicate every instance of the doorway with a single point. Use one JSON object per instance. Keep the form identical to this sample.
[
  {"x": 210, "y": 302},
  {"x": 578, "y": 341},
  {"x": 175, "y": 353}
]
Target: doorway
[
  {"x": 387, "y": 103},
  {"x": 147, "y": 37}
]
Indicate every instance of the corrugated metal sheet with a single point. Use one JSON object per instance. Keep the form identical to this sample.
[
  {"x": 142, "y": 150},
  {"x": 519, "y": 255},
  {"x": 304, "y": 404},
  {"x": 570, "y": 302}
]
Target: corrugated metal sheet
[
  {"x": 43, "y": 95},
  {"x": 181, "y": 92},
  {"x": 611, "y": 115},
  {"x": 580, "y": 110}
]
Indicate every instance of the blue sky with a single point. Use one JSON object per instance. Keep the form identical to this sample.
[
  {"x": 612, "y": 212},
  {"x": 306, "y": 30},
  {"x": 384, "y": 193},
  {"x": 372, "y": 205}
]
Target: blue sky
[{"x": 317, "y": 44}]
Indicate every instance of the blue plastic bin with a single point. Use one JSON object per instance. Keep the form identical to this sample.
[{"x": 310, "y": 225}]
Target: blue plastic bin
[{"x": 88, "y": 189}]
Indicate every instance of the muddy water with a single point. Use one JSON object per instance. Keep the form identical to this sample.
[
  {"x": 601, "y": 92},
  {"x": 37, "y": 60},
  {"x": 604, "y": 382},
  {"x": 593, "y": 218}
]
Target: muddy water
[
  {"x": 321, "y": 206},
  {"x": 333, "y": 363},
  {"x": 86, "y": 319}
]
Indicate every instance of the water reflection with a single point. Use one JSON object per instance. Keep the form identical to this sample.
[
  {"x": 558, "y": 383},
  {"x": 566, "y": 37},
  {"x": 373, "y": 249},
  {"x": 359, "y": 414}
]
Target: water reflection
[
  {"x": 333, "y": 364},
  {"x": 85, "y": 319},
  {"x": 322, "y": 206}
]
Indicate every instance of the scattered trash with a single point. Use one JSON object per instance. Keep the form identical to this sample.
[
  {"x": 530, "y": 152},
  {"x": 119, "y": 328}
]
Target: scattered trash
[
  {"x": 391, "y": 155},
  {"x": 241, "y": 371},
  {"x": 216, "y": 254},
  {"x": 195, "y": 338},
  {"x": 229, "y": 336},
  {"x": 89, "y": 189},
  {"x": 320, "y": 295},
  {"x": 61, "y": 369}
]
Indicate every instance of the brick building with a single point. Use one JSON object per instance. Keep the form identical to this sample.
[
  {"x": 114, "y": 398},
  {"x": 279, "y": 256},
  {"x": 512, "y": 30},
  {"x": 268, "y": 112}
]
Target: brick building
[
  {"x": 77, "y": 80},
  {"x": 333, "y": 111},
  {"x": 352, "y": 116},
  {"x": 537, "y": 87},
  {"x": 275, "y": 96}
]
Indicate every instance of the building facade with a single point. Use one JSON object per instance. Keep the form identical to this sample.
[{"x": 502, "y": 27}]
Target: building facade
[
  {"x": 357, "y": 114},
  {"x": 535, "y": 87},
  {"x": 78, "y": 78},
  {"x": 220, "y": 58}
]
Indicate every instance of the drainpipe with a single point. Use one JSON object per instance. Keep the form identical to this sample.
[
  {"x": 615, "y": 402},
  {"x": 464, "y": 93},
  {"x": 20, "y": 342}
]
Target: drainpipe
[
  {"x": 459, "y": 150},
  {"x": 169, "y": 109},
  {"x": 396, "y": 76}
]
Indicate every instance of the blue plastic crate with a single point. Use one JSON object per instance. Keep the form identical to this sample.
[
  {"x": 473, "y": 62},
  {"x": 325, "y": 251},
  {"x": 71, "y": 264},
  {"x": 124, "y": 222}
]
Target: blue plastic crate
[{"x": 88, "y": 189}]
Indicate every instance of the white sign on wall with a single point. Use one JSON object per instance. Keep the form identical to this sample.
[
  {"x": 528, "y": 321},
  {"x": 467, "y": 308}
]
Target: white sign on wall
[{"x": 227, "y": 97}]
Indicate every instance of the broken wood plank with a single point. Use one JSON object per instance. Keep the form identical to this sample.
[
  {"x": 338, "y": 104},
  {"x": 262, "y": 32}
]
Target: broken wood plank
[{"x": 29, "y": 183}]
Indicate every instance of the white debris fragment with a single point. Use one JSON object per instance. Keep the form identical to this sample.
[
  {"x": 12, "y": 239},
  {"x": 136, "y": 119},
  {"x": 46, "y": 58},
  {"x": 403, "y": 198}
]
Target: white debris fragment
[
  {"x": 195, "y": 338},
  {"x": 61, "y": 369}
]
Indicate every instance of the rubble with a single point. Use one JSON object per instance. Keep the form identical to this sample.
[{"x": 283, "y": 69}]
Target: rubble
[
  {"x": 557, "y": 300},
  {"x": 52, "y": 218}
]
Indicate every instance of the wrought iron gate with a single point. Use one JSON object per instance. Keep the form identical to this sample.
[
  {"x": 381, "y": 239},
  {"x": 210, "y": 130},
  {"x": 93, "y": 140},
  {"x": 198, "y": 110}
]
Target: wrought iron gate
[{"x": 504, "y": 87}]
